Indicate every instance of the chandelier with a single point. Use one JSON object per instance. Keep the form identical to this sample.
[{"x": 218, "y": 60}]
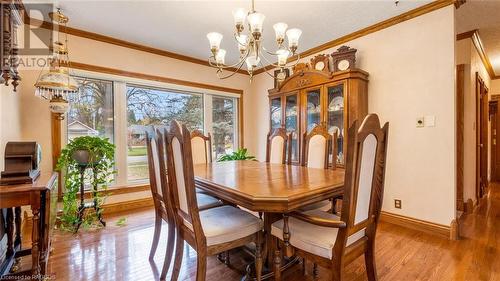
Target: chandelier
[
  {"x": 250, "y": 45},
  {"x": 56, "y": 84}
]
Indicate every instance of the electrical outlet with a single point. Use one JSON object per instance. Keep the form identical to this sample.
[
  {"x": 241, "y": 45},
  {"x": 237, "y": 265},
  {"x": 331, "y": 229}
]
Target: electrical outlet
[
  {"x": 420, "y": 122},
  {"x": 397, "y": 203}
]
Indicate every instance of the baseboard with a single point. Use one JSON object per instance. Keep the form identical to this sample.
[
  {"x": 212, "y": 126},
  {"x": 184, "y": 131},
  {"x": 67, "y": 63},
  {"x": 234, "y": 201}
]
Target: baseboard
[
  {"x": 420, "y": 225},
  {"x": 127, "y": 205}
]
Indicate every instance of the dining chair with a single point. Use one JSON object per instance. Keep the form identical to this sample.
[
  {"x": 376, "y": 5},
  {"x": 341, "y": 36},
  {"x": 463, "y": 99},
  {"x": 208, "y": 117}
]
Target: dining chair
[
  {"x": 315, "y": 154},
  {"x": 159, "y": 190},
  {"x": 210, "y": 231},
  {"x": 276, "y": 147},
  {"x": 201, "y": 147},
  {"x": 331, "y": 241}
]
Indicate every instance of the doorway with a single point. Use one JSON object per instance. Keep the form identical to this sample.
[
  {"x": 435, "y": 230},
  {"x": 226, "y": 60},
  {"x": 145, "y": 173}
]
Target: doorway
[
  {"x": 495, "y": 128},
  {"x": 481, "y": 137}
]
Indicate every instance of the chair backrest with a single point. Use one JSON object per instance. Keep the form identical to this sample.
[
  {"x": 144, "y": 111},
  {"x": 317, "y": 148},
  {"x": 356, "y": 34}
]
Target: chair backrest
[
  {"x": 181, "y": 179},
  {"x": 201, "y": 147},
  {"x": 364, "y": 180},
  {"x": 316, "y": 147},
  {"x": 155, "y": 182},
  {"x": 276, "y": 150}
]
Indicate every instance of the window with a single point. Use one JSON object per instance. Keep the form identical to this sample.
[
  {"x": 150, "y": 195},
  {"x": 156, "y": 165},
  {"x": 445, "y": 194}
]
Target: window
[
  {"x": 91, "y": 110},
  {"x": 124, "y": 112},
  {"x": 224, "y": 132},
  {"x": 148, "y": 107}
]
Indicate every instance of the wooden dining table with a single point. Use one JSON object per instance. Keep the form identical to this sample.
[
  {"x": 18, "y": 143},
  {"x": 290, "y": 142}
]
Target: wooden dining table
[{"x": 270, "y": 189}]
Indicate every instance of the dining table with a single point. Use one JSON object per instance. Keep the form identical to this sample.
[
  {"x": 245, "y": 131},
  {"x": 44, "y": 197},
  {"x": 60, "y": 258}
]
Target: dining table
[{"x": 270, "y": 190}]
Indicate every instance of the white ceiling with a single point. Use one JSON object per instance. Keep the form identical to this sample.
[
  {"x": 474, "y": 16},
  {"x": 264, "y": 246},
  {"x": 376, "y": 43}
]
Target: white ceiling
[
  {"x": 181, "y": 26},
  {"x": 484, "y": 16}
]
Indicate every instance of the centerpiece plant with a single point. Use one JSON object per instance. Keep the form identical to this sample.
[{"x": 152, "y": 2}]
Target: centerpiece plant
[
  {"x": 240, "y": 154},
  {"x": 85, "y": 161}
]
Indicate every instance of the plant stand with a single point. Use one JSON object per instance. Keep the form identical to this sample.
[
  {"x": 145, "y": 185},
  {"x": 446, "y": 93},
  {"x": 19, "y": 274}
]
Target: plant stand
[{"x": 83, "y": 206}]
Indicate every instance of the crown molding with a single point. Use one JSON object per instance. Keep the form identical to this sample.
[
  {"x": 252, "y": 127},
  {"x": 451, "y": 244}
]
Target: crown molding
[
  {"x": 163, "y": 79},
  {"x": 119, "y": 42},
  {"x": 478, "y": 44},
  {"x": 427, "y": 8}
]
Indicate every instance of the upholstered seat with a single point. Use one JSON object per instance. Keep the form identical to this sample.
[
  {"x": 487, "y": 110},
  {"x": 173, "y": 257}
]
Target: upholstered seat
[
  {"x": 325, "y": 205},
  {"x": 312, "y": 238},
  {"x": 206, "y": 201},
  {"x": 226, "y": 223}
]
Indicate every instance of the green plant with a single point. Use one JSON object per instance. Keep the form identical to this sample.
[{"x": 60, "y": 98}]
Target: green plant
[
  {"x": 240, "y": 154},
  {"x": 99, "y": 174}
]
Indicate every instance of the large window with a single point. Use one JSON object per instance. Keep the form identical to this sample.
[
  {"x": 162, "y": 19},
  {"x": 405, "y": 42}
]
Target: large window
[
  {"x": 125, "y": 111},
  {"x": 91, "y": 110},
  {"x": 151, "y": 107},
  {"x": 224, "y": 132}
]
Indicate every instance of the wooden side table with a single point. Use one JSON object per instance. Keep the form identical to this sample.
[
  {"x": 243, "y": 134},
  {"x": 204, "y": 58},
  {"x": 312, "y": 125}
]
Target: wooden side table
[{"x": 42, "y": 197}]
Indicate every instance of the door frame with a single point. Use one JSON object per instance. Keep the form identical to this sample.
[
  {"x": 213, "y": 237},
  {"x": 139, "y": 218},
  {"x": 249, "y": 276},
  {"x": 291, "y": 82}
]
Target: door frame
[
  {"x": 481, "y": 137},
  {"x": 460, "y": 107}
]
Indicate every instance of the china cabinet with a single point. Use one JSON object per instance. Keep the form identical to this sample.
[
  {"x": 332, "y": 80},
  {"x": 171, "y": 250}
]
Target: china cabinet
[{"x": 314, "y": 95}]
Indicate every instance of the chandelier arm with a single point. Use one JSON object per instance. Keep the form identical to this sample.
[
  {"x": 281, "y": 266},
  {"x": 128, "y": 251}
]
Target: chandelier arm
[
  {"x": 230, "y": 75},
  {"x": 269, "y": 62},
  {"x": 212, "y": 64},
  {"x": 265, "y": 70},
  {"x": 238, "y": 41}
]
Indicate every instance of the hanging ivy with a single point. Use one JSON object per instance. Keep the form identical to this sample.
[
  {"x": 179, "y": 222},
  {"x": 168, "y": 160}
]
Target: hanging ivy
[{"x": 98, "y": 175}]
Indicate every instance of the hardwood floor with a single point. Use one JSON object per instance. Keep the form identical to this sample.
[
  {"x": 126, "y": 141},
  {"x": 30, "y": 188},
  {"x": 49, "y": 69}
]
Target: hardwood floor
[{"x": 121, "y": 253}]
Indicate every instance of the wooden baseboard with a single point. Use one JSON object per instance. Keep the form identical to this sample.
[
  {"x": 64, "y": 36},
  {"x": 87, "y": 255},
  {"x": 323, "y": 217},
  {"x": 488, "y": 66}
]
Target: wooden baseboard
[
  {"x": 424, "y": 226},
  {"x": 127, "y": 205}
]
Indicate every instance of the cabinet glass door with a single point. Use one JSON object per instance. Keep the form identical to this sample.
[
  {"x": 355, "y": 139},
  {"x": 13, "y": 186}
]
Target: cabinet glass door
[
  {"x": 335, "y": 117},
  {"x": 313, "y": 109},
  {"x": 276, "y": 113},
  {"x": 291, "y": 123}
]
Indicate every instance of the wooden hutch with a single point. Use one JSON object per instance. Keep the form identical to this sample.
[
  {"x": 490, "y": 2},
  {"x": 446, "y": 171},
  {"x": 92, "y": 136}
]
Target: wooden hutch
[{"x": 315, "y": 95}]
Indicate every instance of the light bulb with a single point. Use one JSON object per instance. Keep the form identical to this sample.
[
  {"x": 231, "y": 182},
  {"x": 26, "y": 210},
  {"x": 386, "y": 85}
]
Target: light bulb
[
  {"x": 293, "y": 38},
  {"x": 220, "y": 57},
  {"x": 242, "y": 42},
  {"x": 280, "y": 30},
  {"x": 239, "y": 15},
  {"x": 252, "y": 62},
  {"x": 256, "y": 20},
  {"x": 214, "y": 38},
  {"x": 282, "y": 56}
]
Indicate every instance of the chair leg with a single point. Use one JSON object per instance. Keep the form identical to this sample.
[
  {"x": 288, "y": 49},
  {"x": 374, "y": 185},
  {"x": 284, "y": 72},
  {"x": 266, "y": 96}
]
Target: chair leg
[
  {"x": 371, "y": 269},
  {"x": 169, "y": 251},
  {"x": 156, "y": 236},
  {"x": 179, "y": 251},
  {"x": 258, "y": 258},
  {"x": 201, "y": 270},
  {"x": 336, "y": 271},
  {"x": 277, "y": 265},
  {"x": 315, "y": 271}
]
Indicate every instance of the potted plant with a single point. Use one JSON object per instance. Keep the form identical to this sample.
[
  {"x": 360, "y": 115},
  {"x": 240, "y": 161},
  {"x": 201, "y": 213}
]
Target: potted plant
[
  {"x": 240, "y": 154},
  {"x": 85, "y": 161}
]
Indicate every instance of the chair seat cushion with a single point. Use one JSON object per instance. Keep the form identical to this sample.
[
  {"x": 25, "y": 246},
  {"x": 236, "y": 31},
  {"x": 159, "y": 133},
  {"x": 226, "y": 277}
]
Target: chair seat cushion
[
  {"x": 324, "y": 205},
  {"x": 318, "y": 240},
  {"x": 206, "y": 201},
  {"x": 226, "y": 223}
]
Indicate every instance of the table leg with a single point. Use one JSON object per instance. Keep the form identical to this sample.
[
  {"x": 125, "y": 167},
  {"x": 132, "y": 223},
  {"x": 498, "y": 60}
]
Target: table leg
[
  {"x": 35, "y": 244},
  {"x": 10, "y": 232},
  {"x": 17, "y": 211}
]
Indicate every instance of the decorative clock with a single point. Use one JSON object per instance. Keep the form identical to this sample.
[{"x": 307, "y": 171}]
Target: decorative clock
[
  {"x": 320, "y": 63},
  {"x": 344, "y": 58}
]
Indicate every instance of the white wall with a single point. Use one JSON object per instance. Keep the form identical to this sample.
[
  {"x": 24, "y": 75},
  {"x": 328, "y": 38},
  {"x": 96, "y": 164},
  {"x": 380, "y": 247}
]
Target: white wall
[
  {"x": 10, "y": 125},
  {"x": 495, "y": 87},
  {"x": 412, "y": 74}
]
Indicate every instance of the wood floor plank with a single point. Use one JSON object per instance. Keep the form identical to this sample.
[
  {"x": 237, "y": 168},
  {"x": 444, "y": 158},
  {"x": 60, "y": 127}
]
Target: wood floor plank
[{"x": 121, "y": 253}]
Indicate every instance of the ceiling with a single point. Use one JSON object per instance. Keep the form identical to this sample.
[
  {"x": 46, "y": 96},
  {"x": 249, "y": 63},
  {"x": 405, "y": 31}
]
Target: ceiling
[
  {"x": 181, "y": 26},
  {"x": 484, "y": 16}
]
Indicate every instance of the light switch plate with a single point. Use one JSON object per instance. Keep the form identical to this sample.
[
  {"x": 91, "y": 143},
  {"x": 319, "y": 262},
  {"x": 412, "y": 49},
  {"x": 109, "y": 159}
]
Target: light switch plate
[
  {"x": 420, "y": 122},
  {"x": 430, "y": 121}
]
